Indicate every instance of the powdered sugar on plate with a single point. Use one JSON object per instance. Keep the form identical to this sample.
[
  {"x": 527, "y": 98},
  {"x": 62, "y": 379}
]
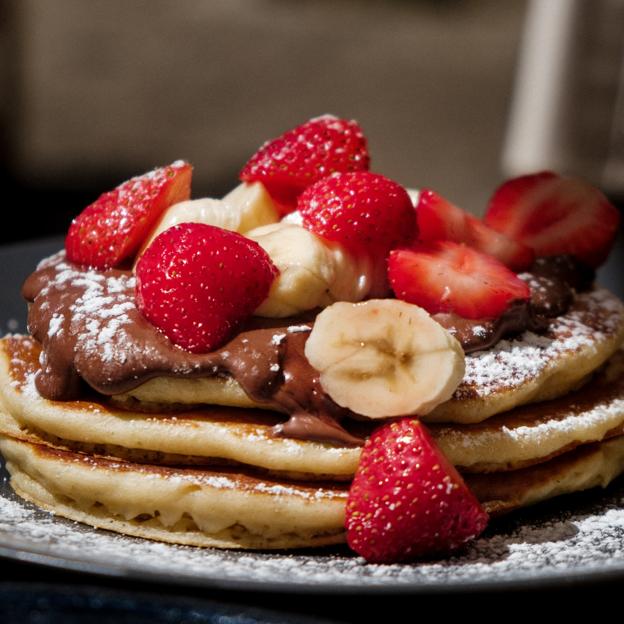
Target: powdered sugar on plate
[{"x": 544, "y": 543}]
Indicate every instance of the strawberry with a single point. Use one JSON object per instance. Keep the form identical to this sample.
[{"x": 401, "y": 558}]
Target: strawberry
[
  {"x": 439, "y": 219},
  {"x": 407, "y": 500},
  {"x": 555, "y": 215},
  {"x": 443, "y": 276},
  {"x": 291, "y": 162},
  {"x": 112, "y": 229},
  {"x": 197, "y": 283},
  {"x": 365, "y": 212}
]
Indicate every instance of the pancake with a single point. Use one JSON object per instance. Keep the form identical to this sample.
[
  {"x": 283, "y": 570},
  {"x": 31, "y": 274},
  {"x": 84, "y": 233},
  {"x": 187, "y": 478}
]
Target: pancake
[
  {"x": 537, "y": 432},
  {"x": 587, "y": 467},
  {"x": 532, "y": 368},
  {"x": 238, "y": 435},
  {"x": 223, "y": 509},
  {"x": 234, "y": 509},
  {"x": 216, "y": 435}
]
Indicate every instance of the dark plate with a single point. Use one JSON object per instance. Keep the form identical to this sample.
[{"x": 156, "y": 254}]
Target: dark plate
[{"x": 579, "y": 538}]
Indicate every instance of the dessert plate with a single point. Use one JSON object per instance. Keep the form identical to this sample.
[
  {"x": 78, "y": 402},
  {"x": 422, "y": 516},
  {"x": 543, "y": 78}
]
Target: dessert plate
[{"x": 579, "y": 538}]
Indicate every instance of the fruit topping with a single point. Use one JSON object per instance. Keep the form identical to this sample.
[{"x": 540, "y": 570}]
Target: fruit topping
[
  {"x": 291, "y": 162},
  {"x": 439, "y": 219},
  {"x": 555, "y": 215},
  {"x": 197, "y": 283},
  {"x": 407, "y": 500},
  {"x": 246, "y": 207},
  {"x": 365, "y": 212},
  {"x": 113, "y": 228},
  {"x": 384, "y": 357},
  {"x": 443, "y": 276}
]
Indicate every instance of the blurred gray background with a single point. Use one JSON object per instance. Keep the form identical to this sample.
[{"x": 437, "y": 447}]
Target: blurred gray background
[{"x": 97, "y": 91}]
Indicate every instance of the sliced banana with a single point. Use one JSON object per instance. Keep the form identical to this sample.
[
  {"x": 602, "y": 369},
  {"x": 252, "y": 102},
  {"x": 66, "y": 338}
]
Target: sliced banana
[
  {"x": 384, "y": 357},
  {"x": 253, "y": 204},
  {"x": 246, "y": 207},
  {"x": 414, "y": 194},
  {"x": 313, "y": 272}
]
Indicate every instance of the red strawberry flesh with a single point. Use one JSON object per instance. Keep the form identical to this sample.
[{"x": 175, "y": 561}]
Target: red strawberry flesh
[
  {"x": 197, "y": 283},
  {"x": 113, "y": 228},
  {"x": 288, "y": 164},
  {"x": 555, "y": 215},
  {"x": 439, "y": 219},
  {"x": 365, "y": 212},
  {"x": 407, "y": 501},
  {"x": 443, "y": 276}
]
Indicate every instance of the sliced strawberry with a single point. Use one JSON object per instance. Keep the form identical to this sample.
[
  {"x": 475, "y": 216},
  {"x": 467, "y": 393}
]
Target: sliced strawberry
[
  {"x": 443, "y": 276},
  {"x": 365, "y": 212},
  {"x": 112, "y": 228},
  {"x": 555, "y": 215},
  {"x": 197, "y": 283},
  {"x": 439, "y": 219},
  {"x": 407, "y": 500},
  {"x": 291, "y": 162}
]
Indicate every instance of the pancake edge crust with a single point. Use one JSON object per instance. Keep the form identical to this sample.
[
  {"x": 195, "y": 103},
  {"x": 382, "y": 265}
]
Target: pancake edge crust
[
  {"x": 588, "y": 466},
  {"x": 179, "y": 506}
]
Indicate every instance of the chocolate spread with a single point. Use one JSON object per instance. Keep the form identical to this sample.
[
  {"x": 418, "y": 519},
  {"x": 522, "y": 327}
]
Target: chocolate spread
[{"x": 91, "y": 331}]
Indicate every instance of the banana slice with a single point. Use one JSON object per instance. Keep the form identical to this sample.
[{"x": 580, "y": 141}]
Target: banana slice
[
  {"x": 384, "y": 358},
  {"x": 313, "y": 272},
  {"x": 246, "y": 207},
  {"x": 414, "y": 194},
  {"x": 253, "y": 204}
]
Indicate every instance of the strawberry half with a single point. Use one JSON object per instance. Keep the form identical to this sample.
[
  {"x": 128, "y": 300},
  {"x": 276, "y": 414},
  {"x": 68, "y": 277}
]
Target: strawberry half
[
  {"x": 555, "y": 215},
  {"x": 439, "y": 219},
  {"x": 443, "y": 276},
  {"x": 113, "y": 228},
  {"x": 197, "y": 283},
  {"x": 365, "y": 212},
  {"x": 407, "y": 500},
  {"x": 291, "y": 162}
]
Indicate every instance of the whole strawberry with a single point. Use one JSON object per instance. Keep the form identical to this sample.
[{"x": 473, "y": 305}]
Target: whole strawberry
[
  {"x": 365, "y": 212},
  {"x": 406, "y": 500},
  {"x": 291, "y": 162},
  {"x": 197, "y": 283},
  {"x": 114, "y": 226}
]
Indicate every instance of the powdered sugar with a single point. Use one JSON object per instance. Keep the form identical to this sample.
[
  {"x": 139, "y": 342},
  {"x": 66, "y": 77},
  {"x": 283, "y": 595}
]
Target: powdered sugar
[
  {"x": 595, "y": 317},
  {"x": 587, "y": 537}
]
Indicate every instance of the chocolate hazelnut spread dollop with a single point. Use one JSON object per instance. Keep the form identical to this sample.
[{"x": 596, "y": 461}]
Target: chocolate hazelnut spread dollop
[{"x": 90, "y": 330}]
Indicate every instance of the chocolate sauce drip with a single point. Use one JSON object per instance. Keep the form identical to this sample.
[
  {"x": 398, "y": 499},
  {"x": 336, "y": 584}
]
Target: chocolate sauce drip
[
  {"x": 90, "y": 329},
  {"x": 567, "y": 269}
]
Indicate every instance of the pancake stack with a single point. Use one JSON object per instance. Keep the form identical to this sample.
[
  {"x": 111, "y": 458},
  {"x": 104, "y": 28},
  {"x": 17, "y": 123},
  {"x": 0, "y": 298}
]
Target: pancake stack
[
  {"x": 175, "y": 459},
  {"x": 207, "y": 372}
]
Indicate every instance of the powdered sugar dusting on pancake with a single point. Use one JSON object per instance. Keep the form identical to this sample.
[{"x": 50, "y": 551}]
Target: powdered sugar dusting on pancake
[{"x": 594, "y": 317}]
